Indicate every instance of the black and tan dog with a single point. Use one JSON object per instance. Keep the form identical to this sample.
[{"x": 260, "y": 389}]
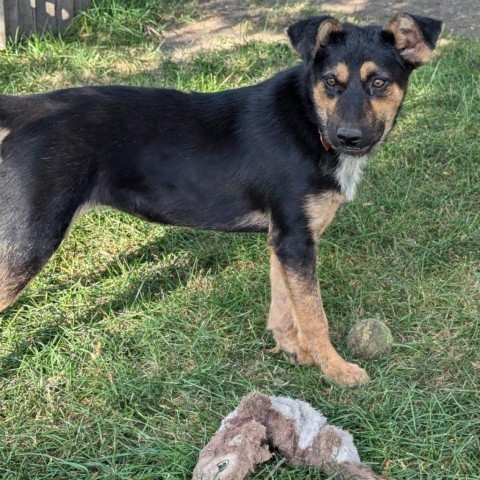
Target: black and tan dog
[{"x": 280, "y": 157}]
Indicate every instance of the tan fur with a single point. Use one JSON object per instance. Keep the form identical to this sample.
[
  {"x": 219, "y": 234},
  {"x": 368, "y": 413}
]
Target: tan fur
[
  {"x": 6, "y": 298},
  {"x": 324, "y": 105},
  {"x": 13, "y": 278},
  {"x": 9, "y": 287},
  {"x": 253, "y": 219},
  {"x": 366, "y": 69},
  {"x": 297, "y": 318},
  {"x": 309, "y": 318},
  {"x": 386, "y": 108},
  {"x": 321, "y": 210},
  {"x": 280, "y": 319},
  {"x": 4, "y": 132},
  {"x": 313, "y": 332},
  {"x": 409, "y": 39},
  {"x": 9, "y": 281},
  {"x": 325, "y": 29},
  {"x": 341, "y": 72}
]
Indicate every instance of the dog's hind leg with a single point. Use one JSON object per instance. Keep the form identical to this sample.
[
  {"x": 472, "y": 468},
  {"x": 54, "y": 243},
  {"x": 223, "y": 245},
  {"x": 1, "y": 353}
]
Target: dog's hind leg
[
  {"x": 41, "y": 189},
  {"x": 26, "y": 245},
  {"x": 20, "y": 260},
  {"x": 17, "y": 267}
]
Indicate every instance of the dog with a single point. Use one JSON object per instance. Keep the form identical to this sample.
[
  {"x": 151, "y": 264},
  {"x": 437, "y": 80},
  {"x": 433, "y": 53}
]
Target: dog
[{"x": 278, "y": 157}]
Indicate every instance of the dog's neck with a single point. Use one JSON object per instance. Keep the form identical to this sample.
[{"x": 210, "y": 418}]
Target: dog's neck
[{"x": 349, "y": 173}]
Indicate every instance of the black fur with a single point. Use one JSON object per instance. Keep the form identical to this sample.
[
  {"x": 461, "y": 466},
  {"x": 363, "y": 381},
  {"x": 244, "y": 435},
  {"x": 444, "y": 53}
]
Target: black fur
[{"x": 429, "y": 27}]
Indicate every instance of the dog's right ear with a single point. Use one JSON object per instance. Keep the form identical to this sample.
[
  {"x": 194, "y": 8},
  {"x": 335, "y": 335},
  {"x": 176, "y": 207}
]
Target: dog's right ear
[
  {"x": 308, "y": 36},
  {"x": 414, "y": 37}
]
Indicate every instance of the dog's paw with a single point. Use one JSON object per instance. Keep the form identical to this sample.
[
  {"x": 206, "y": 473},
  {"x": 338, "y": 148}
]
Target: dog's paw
[
  {"x": 346, "y": 374},
  {"x": 294, "y": 355},
  {"x": 299, "y": 357}
]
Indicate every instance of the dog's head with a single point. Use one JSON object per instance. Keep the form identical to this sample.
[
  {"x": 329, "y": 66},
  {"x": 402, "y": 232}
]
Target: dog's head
[{"x": 358, "y": 76}]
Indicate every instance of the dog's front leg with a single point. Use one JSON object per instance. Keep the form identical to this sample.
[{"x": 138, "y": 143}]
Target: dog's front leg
[
  {"x": 293, "y": 258},
  {"x": 280, "y": 318}
]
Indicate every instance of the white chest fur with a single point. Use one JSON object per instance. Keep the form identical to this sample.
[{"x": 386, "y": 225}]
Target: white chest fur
[{"x": 349, "y": 173}]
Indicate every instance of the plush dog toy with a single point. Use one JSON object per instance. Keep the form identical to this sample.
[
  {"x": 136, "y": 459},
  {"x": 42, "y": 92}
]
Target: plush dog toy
[{"x": 300, "y": 433}]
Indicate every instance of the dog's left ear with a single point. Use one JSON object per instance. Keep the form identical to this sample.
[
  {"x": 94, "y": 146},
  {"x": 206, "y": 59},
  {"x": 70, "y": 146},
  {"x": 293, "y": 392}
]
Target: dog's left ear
[
  {"x": 415, "y": 37},
  {"x": 308, "y": 36}
]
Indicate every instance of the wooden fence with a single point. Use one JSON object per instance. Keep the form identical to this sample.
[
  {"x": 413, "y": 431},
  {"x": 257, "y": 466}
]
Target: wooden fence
[{"x": 26, "y": 17}]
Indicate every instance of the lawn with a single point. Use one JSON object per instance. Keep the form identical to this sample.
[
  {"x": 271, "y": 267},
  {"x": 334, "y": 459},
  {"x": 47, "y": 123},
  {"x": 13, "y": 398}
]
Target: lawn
[{"x": 125, "y": 353}]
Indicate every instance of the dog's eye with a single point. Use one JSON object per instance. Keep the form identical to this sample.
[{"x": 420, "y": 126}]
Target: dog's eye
[
  {"x": 222, "y": 465},
  {"x": 330, "y": 81},
  {"x": 378, "y": 82}
]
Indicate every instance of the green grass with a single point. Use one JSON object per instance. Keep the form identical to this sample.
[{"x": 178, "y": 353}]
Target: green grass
[{"x": 125, "y": 353}]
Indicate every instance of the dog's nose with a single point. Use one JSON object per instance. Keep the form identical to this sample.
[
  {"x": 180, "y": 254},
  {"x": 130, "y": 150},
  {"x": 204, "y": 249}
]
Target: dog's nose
[{"x": 349, "y": 137}]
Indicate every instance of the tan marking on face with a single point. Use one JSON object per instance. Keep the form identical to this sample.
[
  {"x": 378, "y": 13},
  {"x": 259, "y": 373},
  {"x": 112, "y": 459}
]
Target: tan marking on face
[
  {"x": 324, "y": 105},
  {"x": 386, "y": 108},
  {"x": 321, "y": 210},
  {"x": 366, "y": 69},
  {"x": 341, "y": 72},
  {"x": 409, "y": 39}
]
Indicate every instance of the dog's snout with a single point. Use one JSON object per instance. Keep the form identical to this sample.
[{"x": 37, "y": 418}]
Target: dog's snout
[{"x": 349, "y": 137}]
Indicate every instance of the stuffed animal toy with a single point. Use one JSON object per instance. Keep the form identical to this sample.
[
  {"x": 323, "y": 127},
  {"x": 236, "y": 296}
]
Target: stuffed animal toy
[{"x": 292, "y": 427}]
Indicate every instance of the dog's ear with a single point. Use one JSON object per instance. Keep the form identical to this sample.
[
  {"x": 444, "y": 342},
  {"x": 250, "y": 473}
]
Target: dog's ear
[
  {"x": 308, "y": 36},
  {"x": 414, "y": 37}
]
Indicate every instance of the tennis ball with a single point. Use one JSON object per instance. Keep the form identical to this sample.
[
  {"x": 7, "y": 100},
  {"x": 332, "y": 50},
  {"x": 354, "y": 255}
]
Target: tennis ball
[{"x": 370, "y": 338}]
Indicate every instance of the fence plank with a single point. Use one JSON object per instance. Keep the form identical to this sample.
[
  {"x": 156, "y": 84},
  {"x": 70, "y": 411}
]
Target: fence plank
[
  {"x": 81, "y": 6},
  {"x": 46, "y": 17},
  {"x": 3, "y": 33},
  {"x": 65, "y": 12},
  {"x": 26, "y": 17},
  {"x": 11, "y": 17}
]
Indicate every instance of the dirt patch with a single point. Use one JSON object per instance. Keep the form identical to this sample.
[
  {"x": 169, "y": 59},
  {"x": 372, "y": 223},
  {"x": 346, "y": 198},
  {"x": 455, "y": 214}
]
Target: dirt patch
[{"x": 221, "y": 23}]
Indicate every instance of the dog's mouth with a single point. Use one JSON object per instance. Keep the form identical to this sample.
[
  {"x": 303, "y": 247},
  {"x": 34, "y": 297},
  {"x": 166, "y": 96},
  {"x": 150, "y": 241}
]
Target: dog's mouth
[{"x": 353, "y": 151}]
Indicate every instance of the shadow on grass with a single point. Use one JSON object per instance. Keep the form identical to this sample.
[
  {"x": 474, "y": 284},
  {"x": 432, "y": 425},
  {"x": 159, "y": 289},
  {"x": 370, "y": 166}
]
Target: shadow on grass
[{"x": 217, "y": 249}]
